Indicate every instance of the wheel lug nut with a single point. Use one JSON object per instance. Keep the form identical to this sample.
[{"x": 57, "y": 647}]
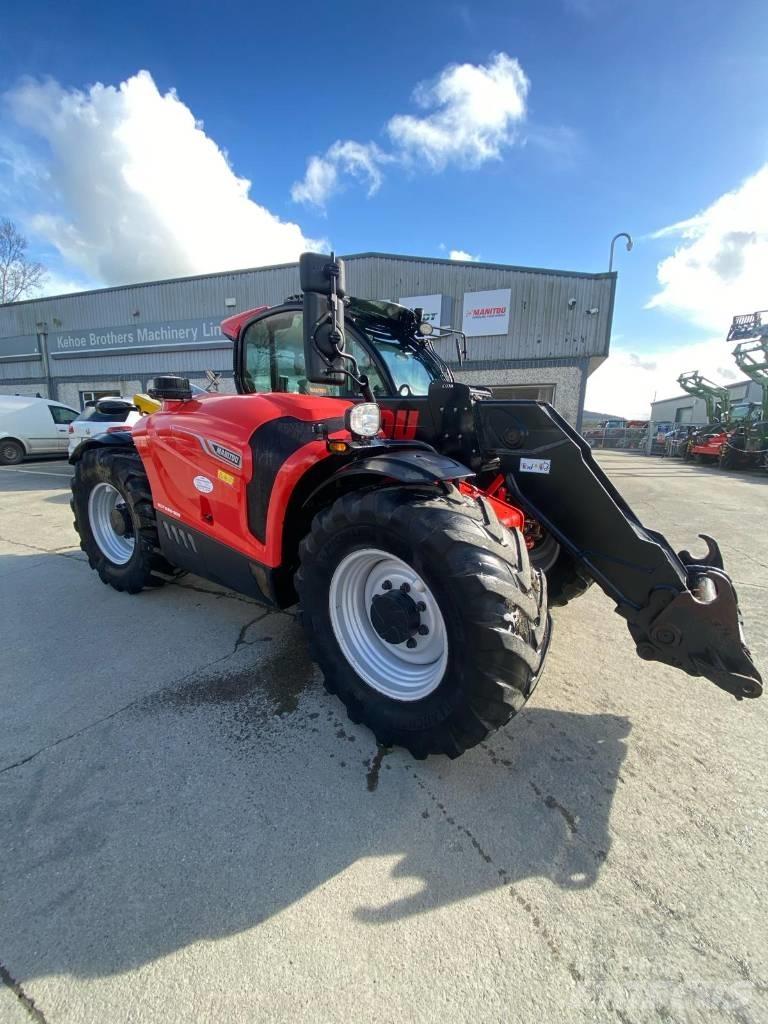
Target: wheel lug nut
[
  {"x": 423, "y": 630},
  {"x": 405, "y": 587},
  {"x": 421, "y": 607},
  {"x": 410, "y": 642},
  {"x": 386, "y": 585}
]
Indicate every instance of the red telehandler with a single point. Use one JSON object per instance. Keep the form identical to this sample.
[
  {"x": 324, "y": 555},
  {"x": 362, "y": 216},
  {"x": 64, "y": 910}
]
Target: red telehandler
[{"x": 419, "y": 522}]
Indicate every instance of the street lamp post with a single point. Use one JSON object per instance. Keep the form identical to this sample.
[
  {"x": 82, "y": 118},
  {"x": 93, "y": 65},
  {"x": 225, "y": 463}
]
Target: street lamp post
[{"x": 621, "y": 234}]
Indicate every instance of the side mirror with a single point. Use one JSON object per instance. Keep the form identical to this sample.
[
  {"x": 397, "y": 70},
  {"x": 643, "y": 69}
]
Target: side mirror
[{"x": 324, "y": 287}]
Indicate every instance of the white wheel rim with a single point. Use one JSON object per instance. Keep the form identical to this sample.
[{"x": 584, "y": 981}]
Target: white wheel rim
[
  {"x": 398, "y": 671},
  {"x": 103, "y": 500}
]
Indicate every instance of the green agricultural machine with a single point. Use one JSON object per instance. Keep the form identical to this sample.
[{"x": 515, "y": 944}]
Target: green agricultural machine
[
  {"x": 704, "y": 444},
  {"x": 748, "y": 444},
  {"x": 716, "y": 398}
]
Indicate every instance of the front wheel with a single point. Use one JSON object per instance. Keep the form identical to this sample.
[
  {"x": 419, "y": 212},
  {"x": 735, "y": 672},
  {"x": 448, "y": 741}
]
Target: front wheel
[{"x": 424, "y": 615}]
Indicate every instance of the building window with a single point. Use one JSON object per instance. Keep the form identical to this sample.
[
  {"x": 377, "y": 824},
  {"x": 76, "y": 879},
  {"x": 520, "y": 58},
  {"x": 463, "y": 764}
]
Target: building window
[
  {"x": 94, "y": 396},
  {"x": 533, "y": 392}
]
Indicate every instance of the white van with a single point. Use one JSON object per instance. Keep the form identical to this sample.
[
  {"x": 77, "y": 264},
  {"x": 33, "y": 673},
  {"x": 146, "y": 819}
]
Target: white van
[{"x": 32, "y": 426}]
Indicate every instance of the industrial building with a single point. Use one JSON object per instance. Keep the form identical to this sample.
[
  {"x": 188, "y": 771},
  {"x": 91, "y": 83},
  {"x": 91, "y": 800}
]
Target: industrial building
[
  {"x": 689, "y": 409},
  {"x": 531, "y": 333}
]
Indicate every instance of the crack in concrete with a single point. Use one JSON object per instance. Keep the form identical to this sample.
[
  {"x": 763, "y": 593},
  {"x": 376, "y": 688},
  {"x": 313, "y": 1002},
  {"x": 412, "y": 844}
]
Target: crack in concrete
[
  {"x": 502, "y": 873},
  {"x": 61, "y": 552},
  {"x": 26, "y": 1001},
  {"x": 217, "y": 594},
  {"x": 239, "y": 642}
]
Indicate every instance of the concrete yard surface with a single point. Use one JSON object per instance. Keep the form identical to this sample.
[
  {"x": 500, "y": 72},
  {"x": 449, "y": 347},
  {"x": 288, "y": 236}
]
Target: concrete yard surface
[{"x": 192, "y": 830}]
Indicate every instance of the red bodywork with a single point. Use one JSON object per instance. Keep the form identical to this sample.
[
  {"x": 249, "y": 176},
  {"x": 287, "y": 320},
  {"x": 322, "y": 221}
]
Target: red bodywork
[
  {"x": 232, "y": 326},
  {"x": 711, "y": 447},
  {"x": 172, "y": 444}
]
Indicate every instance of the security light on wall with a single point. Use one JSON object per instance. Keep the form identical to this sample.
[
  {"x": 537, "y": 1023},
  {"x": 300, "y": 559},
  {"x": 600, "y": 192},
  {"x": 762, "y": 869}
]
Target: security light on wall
[
  {"x": 593, "y": 312},
  {"x": 571, "y": 303},
  {"x": 230, "y": 302}
]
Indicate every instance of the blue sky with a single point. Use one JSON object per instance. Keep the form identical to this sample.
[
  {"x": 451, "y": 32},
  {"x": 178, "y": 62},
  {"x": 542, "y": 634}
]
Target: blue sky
[{"x": 634, "y": 116}]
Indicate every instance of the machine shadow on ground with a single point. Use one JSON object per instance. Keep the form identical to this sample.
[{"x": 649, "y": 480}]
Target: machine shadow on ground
[{"x": 219, "y": 801}]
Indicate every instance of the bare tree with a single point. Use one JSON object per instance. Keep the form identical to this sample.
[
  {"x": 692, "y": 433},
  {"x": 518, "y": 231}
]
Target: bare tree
[{"x": 19, "y": 275}]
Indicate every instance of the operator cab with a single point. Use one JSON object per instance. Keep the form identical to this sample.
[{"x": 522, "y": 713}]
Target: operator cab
[{"x": 270, "y": 354}]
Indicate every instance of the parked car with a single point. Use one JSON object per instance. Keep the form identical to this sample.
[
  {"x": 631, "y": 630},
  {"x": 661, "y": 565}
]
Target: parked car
[
  {"x": 32, "y": 426},
  {"x": 99, "y": 416}
]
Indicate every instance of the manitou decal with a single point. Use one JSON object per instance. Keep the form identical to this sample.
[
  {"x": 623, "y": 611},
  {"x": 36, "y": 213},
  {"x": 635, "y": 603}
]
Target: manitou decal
[
  {"x": 226, "y": 454},
  {"x": 400, "y": 425}
]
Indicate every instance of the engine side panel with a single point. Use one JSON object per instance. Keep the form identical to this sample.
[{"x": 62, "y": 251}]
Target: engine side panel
[{"x": 211, "y": 466}]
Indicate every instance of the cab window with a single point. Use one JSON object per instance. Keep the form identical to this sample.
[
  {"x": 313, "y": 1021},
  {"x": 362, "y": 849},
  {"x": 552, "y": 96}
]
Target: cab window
[
  {"x": 408, "y": 371},
  {"x": 274, "y": 359}
]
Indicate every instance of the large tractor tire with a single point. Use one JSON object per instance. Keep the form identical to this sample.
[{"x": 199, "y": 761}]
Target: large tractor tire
[
  {"x": 566, "y": 581},
  {"x": 424, "y": 614},
  {"x": 115, "y": 519}
]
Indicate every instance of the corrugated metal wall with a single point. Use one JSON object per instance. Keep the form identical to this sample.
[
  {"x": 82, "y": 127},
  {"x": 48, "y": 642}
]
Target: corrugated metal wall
[
  {"x": 181, "y": 299},
  {"x": 548, "y": 314},
  {"x": 541, "y": 324}
]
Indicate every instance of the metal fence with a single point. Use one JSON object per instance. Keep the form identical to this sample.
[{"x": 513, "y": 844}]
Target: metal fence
[
  {"x": 669, "y": 440},
  {"x": 630, "y": 438}
]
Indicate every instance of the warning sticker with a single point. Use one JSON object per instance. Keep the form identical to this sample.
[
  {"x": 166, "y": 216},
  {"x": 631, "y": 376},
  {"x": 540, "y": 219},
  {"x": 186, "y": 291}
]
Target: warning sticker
[{"x": 227, "y": 478}]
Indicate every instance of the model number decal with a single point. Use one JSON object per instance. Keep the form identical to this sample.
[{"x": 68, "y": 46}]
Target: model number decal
[
  {"x": 535, "y": 465},
  {"x": 225, "y": 454},
  {"x": 169, "y": 511}
]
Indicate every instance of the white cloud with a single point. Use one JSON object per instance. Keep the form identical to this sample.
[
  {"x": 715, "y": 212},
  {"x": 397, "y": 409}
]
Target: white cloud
[
  {"x": 476, "y": 109},
  {"x": 322, "y": 177},
  {"x": 721, "y": 267},
  {"x": 471, "y": 115},
  {"x": 461, "y": 254},
  {"x": 626, "y": 383},
  {"x": 144, "y": 193}
]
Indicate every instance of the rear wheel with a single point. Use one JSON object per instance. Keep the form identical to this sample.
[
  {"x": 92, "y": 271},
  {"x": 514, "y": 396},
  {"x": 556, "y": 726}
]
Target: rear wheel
[
  {"x": 11, "y": 452},
  {"x": 115, "y": 519},
  {"x": 728, "y": 457},
  {"x": 565, "y": 580},
  {"x": 424, "y": 614}
]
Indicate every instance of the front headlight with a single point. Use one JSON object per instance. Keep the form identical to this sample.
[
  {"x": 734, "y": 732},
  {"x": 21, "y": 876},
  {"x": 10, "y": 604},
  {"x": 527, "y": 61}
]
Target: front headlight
[{"x": 364, "y": 419}]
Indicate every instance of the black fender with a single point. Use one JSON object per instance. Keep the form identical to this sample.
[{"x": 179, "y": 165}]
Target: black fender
[
  {"x": 407, "y": 467},
  {"x": 406, "y": 464},
  {"x": 117, "y": 439}
]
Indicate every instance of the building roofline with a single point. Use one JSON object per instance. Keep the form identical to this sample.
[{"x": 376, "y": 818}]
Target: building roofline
[
  {"x": 444, "y": 261},
  {"x": 676, "y": 398}
]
